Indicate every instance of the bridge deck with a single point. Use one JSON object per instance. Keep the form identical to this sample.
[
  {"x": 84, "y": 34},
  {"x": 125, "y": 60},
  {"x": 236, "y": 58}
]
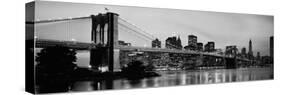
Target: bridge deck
[{"x": 41, "y": 43}]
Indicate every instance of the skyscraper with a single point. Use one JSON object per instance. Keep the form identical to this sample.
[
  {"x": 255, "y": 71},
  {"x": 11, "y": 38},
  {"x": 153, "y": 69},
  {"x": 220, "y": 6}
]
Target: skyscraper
[
  {"x": 258, "y": 56},
  {"x": 192, "y": 42},
  {"x": 250, "y": 53},
  {"x": 156, "y": 43},
  {"x": 200, "y": 46},
  {"x": 243, "y": 52},
  {"x": 173, "y": 43},
  {"x": 210, "y": 47},
  {"x": 179, "y": 42}
]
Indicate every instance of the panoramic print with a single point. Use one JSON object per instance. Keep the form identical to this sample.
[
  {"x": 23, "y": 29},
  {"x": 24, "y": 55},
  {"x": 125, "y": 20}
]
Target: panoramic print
[{"x": 74, "y": 47}]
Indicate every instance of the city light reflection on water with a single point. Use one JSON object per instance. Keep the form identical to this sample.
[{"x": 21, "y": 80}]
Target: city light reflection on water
[{"x": 173, "y": 78}]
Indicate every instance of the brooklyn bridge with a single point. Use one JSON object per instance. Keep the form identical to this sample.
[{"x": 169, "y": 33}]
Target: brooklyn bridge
[{"x": 105, "y": 47}]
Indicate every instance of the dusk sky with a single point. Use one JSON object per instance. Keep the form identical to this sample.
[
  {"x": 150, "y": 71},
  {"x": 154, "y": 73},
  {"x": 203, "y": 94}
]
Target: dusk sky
[{"x": 222, "y": 28}]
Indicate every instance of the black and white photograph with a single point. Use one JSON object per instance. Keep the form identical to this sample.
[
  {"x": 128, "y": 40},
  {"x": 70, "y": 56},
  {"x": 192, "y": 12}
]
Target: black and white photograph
[{"x": 81, "y": 47}]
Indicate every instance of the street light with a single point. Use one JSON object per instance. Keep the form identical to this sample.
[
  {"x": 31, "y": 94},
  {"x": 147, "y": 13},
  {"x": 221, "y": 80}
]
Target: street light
[
  {"x": 73, "y": 39},
  {"x": 89, "y": 66},
  {"x": 145, "y": 45}
]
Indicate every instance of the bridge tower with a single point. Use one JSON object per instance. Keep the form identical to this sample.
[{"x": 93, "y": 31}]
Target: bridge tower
[{"x": 106, "y": 39}]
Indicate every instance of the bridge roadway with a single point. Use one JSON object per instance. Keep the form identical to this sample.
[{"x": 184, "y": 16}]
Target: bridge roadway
[{"x": 42, "y": 43}]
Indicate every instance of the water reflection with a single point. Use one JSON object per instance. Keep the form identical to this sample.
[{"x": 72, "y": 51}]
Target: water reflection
[{"x": 172, "y": 78}]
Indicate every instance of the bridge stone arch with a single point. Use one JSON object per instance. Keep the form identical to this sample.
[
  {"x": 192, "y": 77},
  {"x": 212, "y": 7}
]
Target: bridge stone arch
[{"x": 105, "y": 52}]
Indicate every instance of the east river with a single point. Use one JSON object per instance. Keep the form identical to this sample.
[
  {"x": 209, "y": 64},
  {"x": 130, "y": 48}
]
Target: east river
[
  {"x": 168, "y": 78},
  {"x": 174, "y": 78}
]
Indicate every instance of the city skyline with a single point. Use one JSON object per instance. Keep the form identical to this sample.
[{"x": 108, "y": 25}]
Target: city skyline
[
  {"x": 193, "y": 40},
  {"x": 74, "y": 47},
  {"x": 223, "y": 28}
]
